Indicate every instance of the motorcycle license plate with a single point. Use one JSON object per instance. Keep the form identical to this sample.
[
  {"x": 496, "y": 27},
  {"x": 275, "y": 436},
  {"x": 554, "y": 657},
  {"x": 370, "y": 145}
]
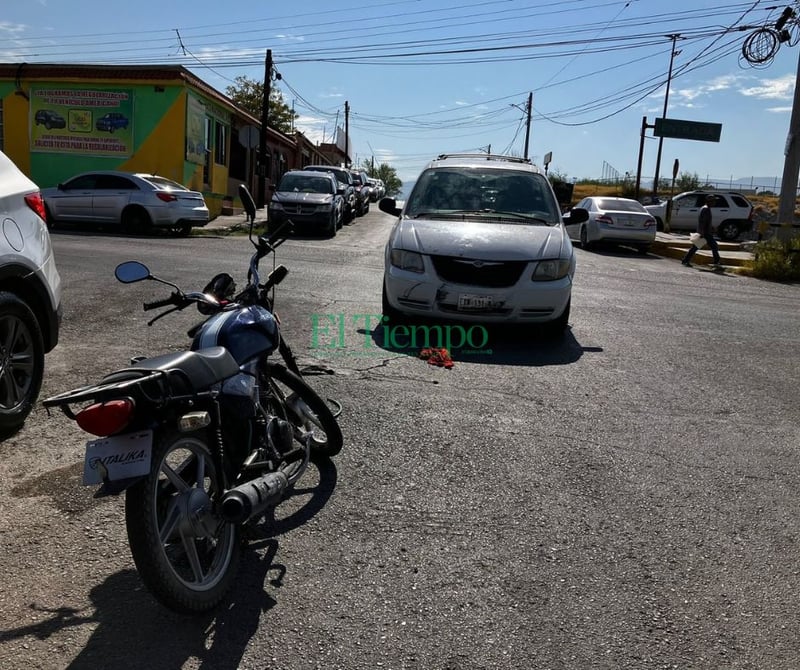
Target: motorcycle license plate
[
  {"x": 470, "y": 301},
  {"x": 118, "y": 457}
]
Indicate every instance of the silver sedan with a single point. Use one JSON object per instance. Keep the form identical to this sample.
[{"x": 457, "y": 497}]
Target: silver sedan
[
  {"x": 615, "y": 221},
  {"x": 135, "y": 201}
]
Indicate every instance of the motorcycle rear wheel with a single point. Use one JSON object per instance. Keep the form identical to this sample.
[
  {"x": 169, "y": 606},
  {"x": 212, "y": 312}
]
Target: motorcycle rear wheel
[
  {"x": 292, "y": 399},
  {"x": 187, "y": 557}
]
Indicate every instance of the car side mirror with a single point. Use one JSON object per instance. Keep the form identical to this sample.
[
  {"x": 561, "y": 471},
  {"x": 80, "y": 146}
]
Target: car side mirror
[
  {"x": 576, "y": 215},
  {"x": 389, "y": 205}
]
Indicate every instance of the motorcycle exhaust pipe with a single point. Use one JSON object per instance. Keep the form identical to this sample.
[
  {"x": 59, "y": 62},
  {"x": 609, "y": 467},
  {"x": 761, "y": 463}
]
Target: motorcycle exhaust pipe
[{"x": 250, "y": 499}]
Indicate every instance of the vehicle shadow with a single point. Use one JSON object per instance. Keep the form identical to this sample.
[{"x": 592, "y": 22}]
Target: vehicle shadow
[
  {"x": 110, "y": 231},
  {"x": 131, "y": 630},
  {"x": 618, "y": 251},
  {"x": 490, "y": 345}
]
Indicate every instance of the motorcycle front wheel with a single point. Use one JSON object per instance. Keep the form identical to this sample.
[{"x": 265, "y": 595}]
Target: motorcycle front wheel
[
  {"x": 186, "y": 556},
  {"x": 290, "y": 398}
]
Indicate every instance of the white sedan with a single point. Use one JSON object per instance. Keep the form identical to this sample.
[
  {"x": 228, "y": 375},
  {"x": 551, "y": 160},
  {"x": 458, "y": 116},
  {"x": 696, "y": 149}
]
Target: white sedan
[{"x": 615, "y": 221}]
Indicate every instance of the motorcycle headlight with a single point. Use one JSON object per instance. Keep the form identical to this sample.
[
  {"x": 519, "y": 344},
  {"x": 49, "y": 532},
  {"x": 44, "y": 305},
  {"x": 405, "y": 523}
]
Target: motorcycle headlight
[
  {"x": 549, "y": 270},
  {"x": 407, "y": 260}
]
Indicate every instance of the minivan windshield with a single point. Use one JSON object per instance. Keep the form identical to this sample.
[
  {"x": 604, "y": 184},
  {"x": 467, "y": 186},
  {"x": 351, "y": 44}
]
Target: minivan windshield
[{"x": 493, "y": 194}]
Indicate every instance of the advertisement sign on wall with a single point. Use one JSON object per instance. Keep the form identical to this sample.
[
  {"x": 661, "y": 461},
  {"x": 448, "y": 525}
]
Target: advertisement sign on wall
[
  {"x": 82, "y": 121},
  {"x": 195, "y": 131}
]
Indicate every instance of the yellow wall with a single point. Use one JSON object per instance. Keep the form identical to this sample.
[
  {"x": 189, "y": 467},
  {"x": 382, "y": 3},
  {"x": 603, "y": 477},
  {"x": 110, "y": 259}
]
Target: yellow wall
[
  {"x": 17, "y": 144},
  {"x": 163, "y": 151}
]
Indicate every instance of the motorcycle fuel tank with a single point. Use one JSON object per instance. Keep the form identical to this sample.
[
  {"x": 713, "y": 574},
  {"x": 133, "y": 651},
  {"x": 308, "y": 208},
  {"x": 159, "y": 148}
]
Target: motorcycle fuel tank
[{"x": 247, "y": 332}]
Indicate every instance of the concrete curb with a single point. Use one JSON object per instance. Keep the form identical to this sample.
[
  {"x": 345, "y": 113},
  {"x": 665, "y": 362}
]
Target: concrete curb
[{"x": 675, "y": 246}]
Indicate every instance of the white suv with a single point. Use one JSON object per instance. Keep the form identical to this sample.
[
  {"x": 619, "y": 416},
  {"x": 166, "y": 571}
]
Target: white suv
[
  {"x": 731, "y": 213},
  {"x": 481, "y": 240},
  {"x": 30, "y": 295}
]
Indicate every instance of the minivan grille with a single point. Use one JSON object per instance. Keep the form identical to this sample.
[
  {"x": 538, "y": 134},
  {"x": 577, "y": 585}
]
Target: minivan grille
[{"x": 491, "y": 274}]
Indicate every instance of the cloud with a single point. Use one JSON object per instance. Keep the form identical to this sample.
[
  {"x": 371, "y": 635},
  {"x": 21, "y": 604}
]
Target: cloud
[
  {"x": 12, "y": 29},
  {"x": 291, "y": 38},
  {"x": 723, "y": 83},
  {"x": 781, "y": 88},
  {"x": 314, "y": 128},
  {"x": 779, "y": 110}
]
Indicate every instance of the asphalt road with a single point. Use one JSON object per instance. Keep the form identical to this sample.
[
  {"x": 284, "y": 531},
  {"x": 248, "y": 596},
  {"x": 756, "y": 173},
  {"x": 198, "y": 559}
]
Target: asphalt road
[{"x": 624, "y": 499}]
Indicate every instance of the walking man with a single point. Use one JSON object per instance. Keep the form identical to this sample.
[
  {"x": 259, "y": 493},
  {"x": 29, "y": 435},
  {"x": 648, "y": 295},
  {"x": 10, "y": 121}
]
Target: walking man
[{"x": 705, "y": 231}]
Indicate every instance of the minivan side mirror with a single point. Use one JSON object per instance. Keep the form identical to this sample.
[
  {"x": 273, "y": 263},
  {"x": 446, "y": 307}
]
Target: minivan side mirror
[
  {"x": 575, "y": 215},
  {"x": 389, "y": 205}
]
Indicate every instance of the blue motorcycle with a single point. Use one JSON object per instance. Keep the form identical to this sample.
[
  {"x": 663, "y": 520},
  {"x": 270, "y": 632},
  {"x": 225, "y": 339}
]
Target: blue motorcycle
[{"x": 206, "y": 440}]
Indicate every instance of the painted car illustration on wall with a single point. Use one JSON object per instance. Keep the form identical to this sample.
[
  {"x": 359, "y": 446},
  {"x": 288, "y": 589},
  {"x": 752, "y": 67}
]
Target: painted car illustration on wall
[
  {"x": 111, "y": 122},
  {"x": 49, "y": 119}
]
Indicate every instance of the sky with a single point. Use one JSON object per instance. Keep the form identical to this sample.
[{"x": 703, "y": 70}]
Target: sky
[{"x": 425, "y": 77}]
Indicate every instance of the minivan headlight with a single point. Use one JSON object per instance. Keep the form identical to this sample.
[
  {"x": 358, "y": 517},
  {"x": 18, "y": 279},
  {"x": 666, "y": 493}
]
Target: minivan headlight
[
  {"x": 549, "y": 270},
  {"x": 407, "y": 260}
]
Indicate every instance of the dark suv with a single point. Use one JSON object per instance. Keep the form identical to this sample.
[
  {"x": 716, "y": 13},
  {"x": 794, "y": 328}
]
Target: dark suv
[
  {"x": 49, "y": 119},
  {"x": 346, "y": 188},
  {"x": 362, "y": 191},
  {"x": 309, "y": 198}
]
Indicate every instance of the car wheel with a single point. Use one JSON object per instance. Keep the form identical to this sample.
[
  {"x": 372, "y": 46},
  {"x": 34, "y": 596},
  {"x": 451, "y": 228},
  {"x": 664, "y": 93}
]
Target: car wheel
[
  {"x": 331, "y": 227},
  {"x": 643, "y": 249},
  {"x": 183, "y": 230},
  {"x": 728, "y": 231},
  {"x": 585, "y": 244},
  {"x": 659, "y": 225},
  {"x": 136, "y": 220},
  {"x": 21, "y": 362}
]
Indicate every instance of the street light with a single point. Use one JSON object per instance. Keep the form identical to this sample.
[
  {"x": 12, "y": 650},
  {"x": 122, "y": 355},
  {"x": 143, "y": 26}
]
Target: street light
[{"x": 674, "y": 37}]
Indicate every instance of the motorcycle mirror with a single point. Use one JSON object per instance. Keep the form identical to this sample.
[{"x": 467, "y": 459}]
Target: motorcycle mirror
[{"x": 131, "y": 271}]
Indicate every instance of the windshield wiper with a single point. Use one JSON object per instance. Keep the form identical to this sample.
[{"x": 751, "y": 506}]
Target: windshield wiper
[{"x": 517, "y": 215}]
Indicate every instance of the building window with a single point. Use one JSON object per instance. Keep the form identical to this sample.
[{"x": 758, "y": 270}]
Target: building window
[{"x": 221, "y": 145}]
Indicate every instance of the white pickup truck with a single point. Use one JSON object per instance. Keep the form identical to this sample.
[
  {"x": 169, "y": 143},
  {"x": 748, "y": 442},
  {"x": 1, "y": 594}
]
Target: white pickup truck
[{"x": 731, "y": 213}]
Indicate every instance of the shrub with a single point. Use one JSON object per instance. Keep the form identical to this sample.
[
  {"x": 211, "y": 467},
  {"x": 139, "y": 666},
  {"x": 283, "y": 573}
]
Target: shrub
[{"x": 776, "y": 259}]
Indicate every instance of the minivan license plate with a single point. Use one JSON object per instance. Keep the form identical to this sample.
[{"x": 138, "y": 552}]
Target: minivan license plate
[{"x": 470, "y": 301}]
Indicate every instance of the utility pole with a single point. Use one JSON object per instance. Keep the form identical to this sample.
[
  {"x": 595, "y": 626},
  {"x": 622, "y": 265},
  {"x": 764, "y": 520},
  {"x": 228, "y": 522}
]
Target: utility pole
[
  {"x": 528, "y": 125},
  {"x": 262, "y": 144},
  {"x": 791, "y": 165},
  {"x": 674, "y": 37},
  {"x": 346, "y": 134}
]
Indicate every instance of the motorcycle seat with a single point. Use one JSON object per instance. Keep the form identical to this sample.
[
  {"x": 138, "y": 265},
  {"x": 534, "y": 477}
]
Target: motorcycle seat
[{"x": 191, "y": 371}]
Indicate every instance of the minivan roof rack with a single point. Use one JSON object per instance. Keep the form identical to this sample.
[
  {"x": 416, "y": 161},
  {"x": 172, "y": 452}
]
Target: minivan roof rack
[{"x": 488, "y": 157}]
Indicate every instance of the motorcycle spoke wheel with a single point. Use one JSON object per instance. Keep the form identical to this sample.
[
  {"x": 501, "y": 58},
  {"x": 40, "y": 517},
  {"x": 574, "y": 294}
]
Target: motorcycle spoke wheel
[
  {"x": 290, "y": 398},
  {"x": 185, "y": 554}
]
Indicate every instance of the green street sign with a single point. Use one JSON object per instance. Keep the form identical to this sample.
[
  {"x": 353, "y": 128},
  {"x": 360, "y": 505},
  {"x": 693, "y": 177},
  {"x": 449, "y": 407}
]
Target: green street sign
[{"x": 688, "y": 130}]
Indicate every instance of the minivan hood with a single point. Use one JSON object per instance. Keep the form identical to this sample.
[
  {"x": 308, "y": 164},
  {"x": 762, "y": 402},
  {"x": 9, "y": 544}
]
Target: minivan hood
[{"x": 485, "y": 241}]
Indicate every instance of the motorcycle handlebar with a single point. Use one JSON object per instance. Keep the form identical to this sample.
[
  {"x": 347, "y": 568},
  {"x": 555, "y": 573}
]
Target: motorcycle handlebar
[
  {"x": 280, "y": 234},
  {"x": 159, "y": 303}
]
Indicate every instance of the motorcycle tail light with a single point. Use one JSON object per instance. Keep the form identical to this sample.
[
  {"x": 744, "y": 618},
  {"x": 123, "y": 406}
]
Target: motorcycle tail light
[{"x": 106, "y": 418}]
